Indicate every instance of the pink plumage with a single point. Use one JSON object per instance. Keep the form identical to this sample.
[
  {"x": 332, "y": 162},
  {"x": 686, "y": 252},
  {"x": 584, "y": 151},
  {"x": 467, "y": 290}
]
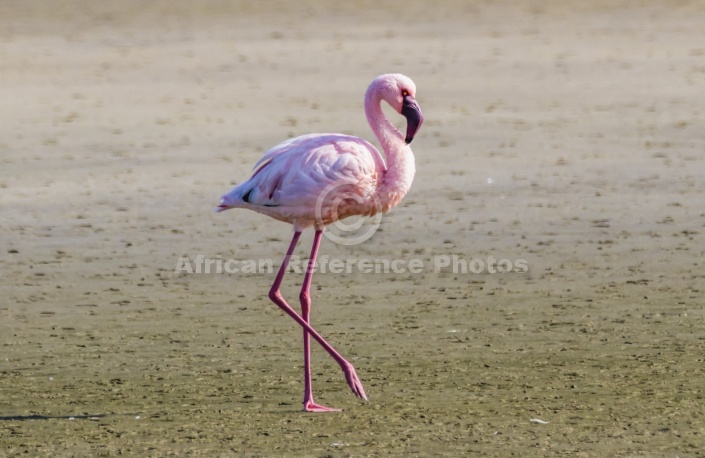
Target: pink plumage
[
  {"x": 289, "y": 179},
  {"x": 317, "y": 179}
]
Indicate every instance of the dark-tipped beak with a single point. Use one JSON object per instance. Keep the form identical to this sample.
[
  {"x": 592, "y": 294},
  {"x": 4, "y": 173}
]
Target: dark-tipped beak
[{"x": 412, "y": 112}]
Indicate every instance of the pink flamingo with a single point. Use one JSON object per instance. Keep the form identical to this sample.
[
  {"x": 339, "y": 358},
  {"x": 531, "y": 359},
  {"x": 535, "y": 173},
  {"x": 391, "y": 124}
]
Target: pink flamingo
[{"x": 317, "y": 179}]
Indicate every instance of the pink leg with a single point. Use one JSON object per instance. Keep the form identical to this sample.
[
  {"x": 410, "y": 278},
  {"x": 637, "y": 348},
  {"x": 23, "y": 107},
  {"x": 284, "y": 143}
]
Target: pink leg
[
  {"x": 276, "y": 297},
  {"x": 305, "y": 299}
]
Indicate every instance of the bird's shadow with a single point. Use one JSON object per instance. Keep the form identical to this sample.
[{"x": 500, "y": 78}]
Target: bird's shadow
[{"x": 63, "y": 417}]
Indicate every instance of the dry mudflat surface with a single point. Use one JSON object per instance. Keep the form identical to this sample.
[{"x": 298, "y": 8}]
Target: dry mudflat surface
[{"x": 566, "y": 135}]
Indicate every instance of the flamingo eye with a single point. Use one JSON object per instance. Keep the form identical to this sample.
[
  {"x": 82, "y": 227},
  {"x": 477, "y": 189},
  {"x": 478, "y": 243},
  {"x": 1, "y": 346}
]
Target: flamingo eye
[{"x": 404, "y": 93}]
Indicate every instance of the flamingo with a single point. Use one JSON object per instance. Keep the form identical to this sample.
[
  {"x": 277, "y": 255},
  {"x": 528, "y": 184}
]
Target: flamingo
[{"x": 317, "y": 179}]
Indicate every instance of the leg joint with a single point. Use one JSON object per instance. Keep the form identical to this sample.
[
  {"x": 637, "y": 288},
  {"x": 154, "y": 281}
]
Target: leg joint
[
  {"x": 275, "y": 295},
  {"x": 305, "y": 298}
]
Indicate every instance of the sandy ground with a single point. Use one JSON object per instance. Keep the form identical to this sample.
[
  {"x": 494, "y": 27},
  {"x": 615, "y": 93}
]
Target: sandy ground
[{"x": 566, "y": 134}]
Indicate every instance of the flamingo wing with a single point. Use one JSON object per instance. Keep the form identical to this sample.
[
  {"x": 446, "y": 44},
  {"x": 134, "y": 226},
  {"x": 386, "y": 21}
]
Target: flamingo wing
[{"x": 294, "y": 173}]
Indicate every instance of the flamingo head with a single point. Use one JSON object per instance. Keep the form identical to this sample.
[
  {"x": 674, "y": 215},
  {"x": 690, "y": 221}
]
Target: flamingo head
[{"x": 400, "y": 92}]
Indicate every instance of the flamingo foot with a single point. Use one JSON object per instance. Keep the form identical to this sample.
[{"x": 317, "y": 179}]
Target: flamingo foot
[
  {"x": 353, "y": 380},
  {"x": 311, "y": 406}
]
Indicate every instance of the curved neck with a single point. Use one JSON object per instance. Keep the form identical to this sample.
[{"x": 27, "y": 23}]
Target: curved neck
[
  {"x": 401, "y": 167},
  {"x": 389, "y": 137}
]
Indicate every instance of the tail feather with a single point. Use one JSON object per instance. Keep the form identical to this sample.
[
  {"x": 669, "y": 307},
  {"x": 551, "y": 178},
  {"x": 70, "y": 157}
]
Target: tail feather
[{"x": 233, "y": 199}]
